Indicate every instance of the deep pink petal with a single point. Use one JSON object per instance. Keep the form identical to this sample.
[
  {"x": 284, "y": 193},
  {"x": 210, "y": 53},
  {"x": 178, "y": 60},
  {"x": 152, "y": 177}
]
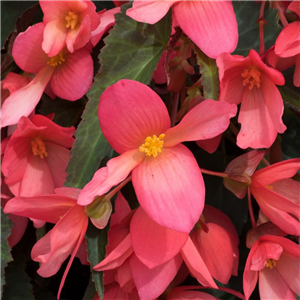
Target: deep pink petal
[
  {"x": 287, "y": 188},
  {"x": 170, "y": 187},
  {"x": 122, "y": 209},
  {"x": 104, "y": 179},
  {"x": 272, "y": 286},
  {"x": 23, "y": 101},
  {"x": 54, "y": 37},
  {"x": 210, "y": 145},
  {"x": 189, "y": 295},
  {"x": 150, "y": 283},
  {"x": 211, "y": 26},
  {"x": 219, "y": 263},
  {"x": 117, "y": 257},
  {"x": 152, "y": 243},
  {"x": 129, "y": 112},
  {"x": 58, "y": 244},
  {"x": 72, "y": 79},
  {"x": 149, "y": 11},
  {"x": 257, "y": 127},
  {"x": 124, "y": 277},
  {"x": 205, "y": 121},
  {"x": 196, "y": 264},
  {"x": 27, "y": 50},
  {"x": 296, "y": 78},
  {"x": 278, "y": 171},
  {"x": 13, "y": 82},
  {"x": 49, "y": 208},
  {"x": 18, "y": 229},
  {"x": 288, "y": 41}
]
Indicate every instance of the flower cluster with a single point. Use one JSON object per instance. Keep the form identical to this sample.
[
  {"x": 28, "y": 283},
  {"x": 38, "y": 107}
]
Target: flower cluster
[{"x": 130, "y": 170}]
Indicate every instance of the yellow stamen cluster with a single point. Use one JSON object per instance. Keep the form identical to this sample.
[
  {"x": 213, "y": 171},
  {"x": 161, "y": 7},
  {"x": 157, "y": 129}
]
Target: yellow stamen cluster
[
  {"x": 271, "y": 263},
  {"x": 39, "y": 148},
  {"x": 153, "y": 145},
  {"x": 56, "y": 60},
  {"x": 252, "y": 78},
  {"x": 72, "y": 20}
]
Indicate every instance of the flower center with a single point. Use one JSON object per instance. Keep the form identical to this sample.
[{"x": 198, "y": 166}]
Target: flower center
[
  {"x": 56, "y": 60},
  {"x": 252, "y": 78},
  {"x": 39, "y": 148},
  {"x": 271, "y": 263},
  {"x": 152, "y": 145},
  {"x": 72, "y": 20}
]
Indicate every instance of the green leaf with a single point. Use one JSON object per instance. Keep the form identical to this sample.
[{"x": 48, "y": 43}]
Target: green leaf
[
  {"x": 96, "y": 244},
  {"x": 290, "y": 93},
  {"x": 210, "y": 76},
  {"x": 6, "y": 257},
  {"x": 90, "y": 291},
  {"x": 131, "y": 54},
  {"x": 247, "y": 13}
]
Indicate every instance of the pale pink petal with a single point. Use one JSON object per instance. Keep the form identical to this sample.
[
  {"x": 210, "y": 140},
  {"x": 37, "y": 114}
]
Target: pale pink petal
[
  {"x": 278, "y": 171},
  {"x": 23, "y": 101},
  {"x": 170, "y": 187},
  {"x": 257, "y": 127},
  {"x": 272, "y": 286},
  {"x": 149, "y": 11},
  {"x": 150, "y": 283},
  {"x": 54, "y": 37},
  {"x": 208, "y": 244},
  {"x": 58, "y": 243},
  {"x": 152, "y": 243},
  {"x": 288, "y": 267},
  {"x": 288, "y": 41},
  {"x": 49, "y": 208},
  {"x": 205, "y": 121},
  {"x": 57, "y": 159},
  {"x": 210, "y": 25},
  {"x": 129, "y": 112},
  {"x": 27, "y": 50},
  {"x": 117, "y": 257},
  {"x": 37, "y": 179},
  {"x": 196, "y": 264},
  {"x": 73, "y": 78},
  {"x": 117, "y": 170}
]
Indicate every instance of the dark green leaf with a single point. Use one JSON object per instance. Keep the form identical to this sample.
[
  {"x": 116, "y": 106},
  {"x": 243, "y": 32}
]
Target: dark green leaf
[
  {"x": 210, "y": 76},
  {"x": 247, "y": 13},
  {"x": 129, "y": 53},
  {"x": 96, "y": 244},
  {"x": 90, "y": 291},
  {"x": 6, "y": 257}
]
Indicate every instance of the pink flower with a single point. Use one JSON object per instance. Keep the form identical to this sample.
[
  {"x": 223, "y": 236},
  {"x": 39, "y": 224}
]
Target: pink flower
[
  {"x": 211, "y": 25},
  {"x": 69, "y": 74},
  {"x": 274, "y": 261},
  {"x": 67, "y": 23},
  {"x": 250, "y": 82},
  {"x": 275, "y": 192},
  {"x": 66, "y": 236},
  {"x": 287, "y": 44},
  {"x": 36, "y": 156},
  {"x": 165, "y": 175}
]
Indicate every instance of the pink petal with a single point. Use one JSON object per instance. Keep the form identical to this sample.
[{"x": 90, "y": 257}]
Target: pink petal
[
  {"x": 73, "y": 78},
  {"x": 257, "y": 125},
  {"x": 54, "y": 37},
  {"x": 27, "y": 50},
  {"x": 13, "y": 82},
  {"x": 49, "y": 208},
  {"x": 189, "y": 295},
  {"x": 196, "y": 264},
  {"x": 210, "y": 145},
  {"x": 288, "y": 41},
  {"x": 117, "y": 257},
  {"x": 296, "y": 78},
  {"x": 23, "y": 101},
  {"x": 116, "y": 171},
  {"x": 219, "y": 263},
  {"x": 205, "y": 121},
  {"x": 278, "y": 171},
  {"x": 153, "y": 244},
  {"x": 129, "y": 112},
  {"x": 124, "y": 277},
  {"x": 149, "y": 11},
  {"x": 58, "y": 244},
  {"x": 272, "y": 286},
  {"x": 170, "y": 187},
  {"x": 211, "y": 26},
  {"x": 150, "y": 283}
]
